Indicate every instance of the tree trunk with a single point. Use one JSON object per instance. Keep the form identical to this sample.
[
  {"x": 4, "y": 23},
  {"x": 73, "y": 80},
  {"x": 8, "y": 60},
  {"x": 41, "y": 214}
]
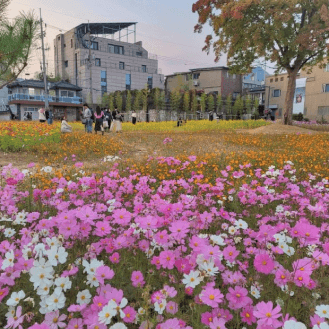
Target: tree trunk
[{"x": 289, "y": 100}]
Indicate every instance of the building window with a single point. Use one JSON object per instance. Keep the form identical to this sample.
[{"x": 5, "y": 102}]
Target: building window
[
  {"x": 234, "y": 76},
  {"x": 103, "y": 90},
  {"x": 281, "y": 79},
  {"x": 276, "y": 93},
  {"x": 71, "y": 43},
  {"x": 325, "y": 88},
  {"x": 150, "y": 82},
  {"x": 59, "y": 38},
  {"x": 97, "y": 62},
  {"x": 144, "y": 68},
  {"x": 64, "y": 45},
  {"x": 139, "y": 53},
  {"x": 121, "y": 65},
  {"x": 113, "y": 49},
  {"x": 271, "y": 80},
  {"x": 326, "y": 69},
  {"x": 103, "y": 76},
  {"x": 63, "y": 93},
  {"x": 128, "y": 81},
  {"x": 94, "y": 45},
  {"x": 66, "y": 63},
  {"x": 276, "y": 79},
  {"x": 196, "y": 76}
]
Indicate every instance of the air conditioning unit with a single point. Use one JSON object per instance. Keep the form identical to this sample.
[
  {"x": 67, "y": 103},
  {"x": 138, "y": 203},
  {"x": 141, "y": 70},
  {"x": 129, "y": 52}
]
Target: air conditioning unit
[{"x": 195, "y": 83}]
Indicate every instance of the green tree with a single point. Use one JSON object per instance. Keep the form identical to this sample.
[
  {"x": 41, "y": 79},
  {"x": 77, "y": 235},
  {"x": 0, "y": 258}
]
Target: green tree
[
  {"x": 17, "y": 40},
  {"x": 128, "y": 101},
  {"x": 105, "y": 100},
  {"x": 137, "y": 101},
  {"x": 203, "y": 101},
  {"x": 118, "y": 100},
  {"x": 194, "y": 102},
  {"x": 219, "y": 103},
  {"x": 111, "y": 101},
  {"x": 211, "y": 102},
  {"x": 248, "y": 104},
  {"x": 228, "y": 104},
  {"x": 256, "y": 107},
  {"x": 175, "y": 98},
  {"x": 144, "y": 96},
  {"x": 156, "y": 98},
  {"x": 50, "y": 77},
  {"x": 238, "y": 106},
  {"x": 291, "y": 34},
  {"x": 186, "y": 101},
  {"x": 162, "y": 100}
]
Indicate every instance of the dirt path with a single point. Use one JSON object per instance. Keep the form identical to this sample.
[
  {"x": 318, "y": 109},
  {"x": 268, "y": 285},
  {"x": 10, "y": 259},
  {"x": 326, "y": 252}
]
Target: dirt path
[{"x": 277, "y": 128}]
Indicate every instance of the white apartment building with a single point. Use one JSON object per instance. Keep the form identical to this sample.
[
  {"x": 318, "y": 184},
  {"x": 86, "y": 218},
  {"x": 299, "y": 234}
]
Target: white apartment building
[{"x": 114, "y": 64}]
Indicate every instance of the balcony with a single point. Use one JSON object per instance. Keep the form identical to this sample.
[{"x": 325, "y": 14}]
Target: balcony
[{"x": 41, "y": 98}]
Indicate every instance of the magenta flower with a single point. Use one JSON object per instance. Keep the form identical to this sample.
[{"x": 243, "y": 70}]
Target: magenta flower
[
  {"x": 263, "y": 263},
  {"x": 247, "y": 315},
  {"x": 167, "y": 259},
  {"x": 211, "y": 297},
  {"x": 172, "y": 307},
  {"x": 267, "y": 315},
  {"x": 238, "y": 297},
  {"x": 230, "y": 253},
  {"x": 130, "y": 314},
  {"x": 104, "y": 273},
  {"x": 17, "y": 320},
  {"x": 137, "y": 279},
  {"x": 54, "y": 320},
  {"x": 217, "y": 323},
  {"x": 75, "y": 324},
  {"x": 115, "y": 258}
]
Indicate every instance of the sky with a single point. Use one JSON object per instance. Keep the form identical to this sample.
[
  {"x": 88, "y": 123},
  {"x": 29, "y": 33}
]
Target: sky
[{"x": 166, "y": 28}]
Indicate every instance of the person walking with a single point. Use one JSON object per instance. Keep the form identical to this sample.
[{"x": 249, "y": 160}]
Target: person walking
[
  {"x": 107, "y": 120},
  {"x": 117, "y": 119},
  {"x": 65, "y": 127},
  {"x": 50, "y": 117},
  {"x": 133, "y": 117},
  {"x": 99, "y": 117},
  {"x": 42, "y": 115},
  {"x": 87, "y": 115}
]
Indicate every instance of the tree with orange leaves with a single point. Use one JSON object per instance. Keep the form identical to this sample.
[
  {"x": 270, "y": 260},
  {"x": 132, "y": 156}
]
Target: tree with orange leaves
[{"x": 293, "y": 34}]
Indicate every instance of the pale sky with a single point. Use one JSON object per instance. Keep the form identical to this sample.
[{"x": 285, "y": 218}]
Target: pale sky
[{"x": 166, "y": 28}]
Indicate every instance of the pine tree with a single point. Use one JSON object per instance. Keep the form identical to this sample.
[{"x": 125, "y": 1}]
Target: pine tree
[
  {"x": 211, "y": 102},
  {"x": 186, "y": 103},
  {"x": 203, "y": 102},
  {"x": 128, "y": 101},
  {"x": 219, "y": 103},
  {"x": 248, "y": 104},
  {"x": 228, "y": 104},
  {"x": 118, "y": 100}
]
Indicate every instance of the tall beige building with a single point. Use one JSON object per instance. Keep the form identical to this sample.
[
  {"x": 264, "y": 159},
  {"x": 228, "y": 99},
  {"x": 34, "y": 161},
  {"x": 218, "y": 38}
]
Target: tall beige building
[
  {"x": 115, "y": 63},
  {"x": 311, "y": 94}
]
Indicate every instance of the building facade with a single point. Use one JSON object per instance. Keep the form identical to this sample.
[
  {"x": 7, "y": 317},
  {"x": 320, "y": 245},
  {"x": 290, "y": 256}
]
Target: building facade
[
  {"x": 311, "y": 93},
  {"x": 26, "y": 97},
  {"x": 113, "y": 64},
  {"x": 215, "y": 80}
]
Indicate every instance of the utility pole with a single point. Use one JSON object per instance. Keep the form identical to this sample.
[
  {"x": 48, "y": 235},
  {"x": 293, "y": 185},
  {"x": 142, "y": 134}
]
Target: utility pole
[
  {"x": 44, "y": 66},
  {"x": 90, "y": 65}
]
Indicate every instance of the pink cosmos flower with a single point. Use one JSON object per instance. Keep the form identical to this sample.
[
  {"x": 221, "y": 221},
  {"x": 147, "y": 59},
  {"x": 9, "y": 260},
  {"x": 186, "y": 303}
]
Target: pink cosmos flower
[
  {"x": 267, "y": 315},
  {"x": 75, "y": 324},
  {"x": 211, "y": 297},
  {"x": 238, "y": 297},
  {"x": 130, "y": 314},
  {"x": 121, "y": 216},
  {"x": 54, "y": 320},
  {"x": 3, "y": 292},
  {"x": 137, "y": 279},
  {"x": 17, "y": 320},
  {"x": 217, "y": 323},
  {"x": 247, "y": 315},
  {"x": 115, "y": 258},
  {"x": 39, "y": 326},
  {"x": 206, "y": 318},
  {"x": 230, "y": 253},
  {"x": 263, "y": 263},
  {"x": 104, "y": 273},
  {"x": 103, "y": 228},
  {"x": 167, "y": 259},
  {"x": 172, "y": 307},
  {"x": 76, "y": 308}
]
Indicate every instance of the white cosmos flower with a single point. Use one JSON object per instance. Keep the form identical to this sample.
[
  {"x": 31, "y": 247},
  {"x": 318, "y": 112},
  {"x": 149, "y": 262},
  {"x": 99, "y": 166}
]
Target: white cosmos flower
[
  {"x": 92, "y": 281},
  {"x": 83, "y": 297},
  {"x": 192, "y": 279},
  {"x": 160, "y": 307},
  {"x": 41, "y": 275},
  {"x": 53, "y": 242},
  {"x": 322, "y": 311},
  {"x": 92, "y": 267},
  {"x": 43, "y": 289},
  {"x": 57, "y": 255},
  {"x": 11, "y": 312},
  {"x": 9, "y": 232},
  {"x": 291, "y": 324},
  {"x": 15, "y": 298},
  {"x": 108, "y": 311},
  {"x": 231, "y": 230},
  {"x": 40, "y": 249},
  {"x": 59, "y": 190},
  {"x": 47, "y": 169},
  {"x": 118, "y": 326},
  {"x": 323, "y": 325},
  {"x": 210, "y": 268},
  {"x": 217, "y": 239},
  {"x": 56, "y": 301},
  {"x": 241, "y": 224},
  {"x": 9, "y": 260},
  {"x": 63, "y": 283},
  {"x": 254, "y": 292}
]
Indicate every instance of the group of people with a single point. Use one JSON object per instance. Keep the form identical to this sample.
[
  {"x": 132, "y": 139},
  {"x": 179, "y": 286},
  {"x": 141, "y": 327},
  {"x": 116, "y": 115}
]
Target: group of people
[
  {"x": 104, "y": 119},
  {"x": 45, "y": 115}
]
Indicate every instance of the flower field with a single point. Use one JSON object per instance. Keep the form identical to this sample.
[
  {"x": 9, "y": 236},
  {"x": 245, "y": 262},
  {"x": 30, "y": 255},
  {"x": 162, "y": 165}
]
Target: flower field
[{"x": 179, "y": 238}]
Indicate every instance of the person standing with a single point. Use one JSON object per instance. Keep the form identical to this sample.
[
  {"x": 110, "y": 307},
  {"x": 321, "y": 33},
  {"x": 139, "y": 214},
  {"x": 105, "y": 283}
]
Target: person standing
[
  {"x": 107, "y": 120},
  {"x": 87, "y": 114},
  {"x": 99, "y": 117},
  {"x": 117, "y": 118},
  {"x": 133, "y": 117},
  {"x": 42, "y": 115},
  {"x": 50, "y": 117}
]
